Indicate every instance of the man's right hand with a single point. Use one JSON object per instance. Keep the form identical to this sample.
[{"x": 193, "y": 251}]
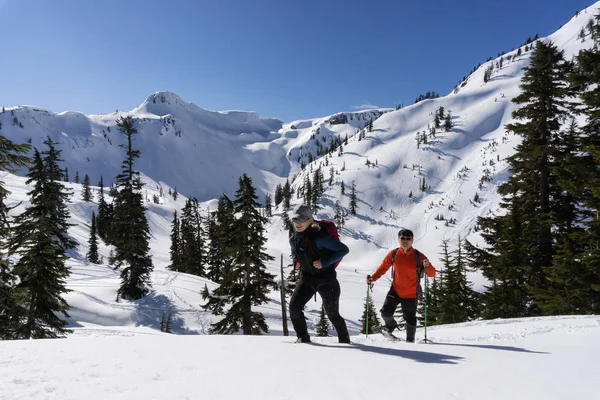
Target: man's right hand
[{"x": 369, "y": 279}]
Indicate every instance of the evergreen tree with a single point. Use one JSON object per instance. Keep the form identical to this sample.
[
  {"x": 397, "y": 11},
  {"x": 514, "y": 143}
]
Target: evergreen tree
[
  {"x": 76, "y": 177},
  {"x": 448, "y": 122},
  {"x": 130, "y": 232},
  {"x": 370, "y": 311},
  {"x": 353, "y": 201},
  {"x": 268, "y": 209},
  {"x": 322, "y": 328},
  {"x": 287, "y": 195},
  {"x": 457, "y": 300},
  {"x": 41, "y": 238},
  {"x": 86, "y": 192},
  {"x": 278, "y": 194},
  {"x": 175, "y": 250},
  {"x": 66, "y": 174},
  {"x": 104, "y": 217},
  {"x": 221, "y": 239},
  {"x": 191, "y": 239},
  {"x": 575, "y": 275},
  {"x": 531, "y": 216},
  {"x": 308, "y": 190},
  {"x": 340, "y": 215},
  {"x": 246, "y": 282},
  {"x": 92, "y": 254},
  {"x": 12, "y": 158}
]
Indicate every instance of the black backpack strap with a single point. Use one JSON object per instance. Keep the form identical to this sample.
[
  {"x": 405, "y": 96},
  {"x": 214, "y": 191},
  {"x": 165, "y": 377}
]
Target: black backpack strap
[
  {"x": 419, "y": 271},
  {"x": 393, "y": 258}
]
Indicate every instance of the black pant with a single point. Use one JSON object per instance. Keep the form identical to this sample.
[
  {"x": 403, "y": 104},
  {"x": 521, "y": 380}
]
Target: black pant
[
  {"x": 409, "y": 310},
  {"x": 328, "y": 288}
]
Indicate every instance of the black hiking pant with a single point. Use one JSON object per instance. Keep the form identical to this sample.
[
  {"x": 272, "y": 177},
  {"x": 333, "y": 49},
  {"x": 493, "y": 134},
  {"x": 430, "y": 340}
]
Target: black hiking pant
[
  {"x": 409, "y": 311},
  {"x": 328, "y": 288}
]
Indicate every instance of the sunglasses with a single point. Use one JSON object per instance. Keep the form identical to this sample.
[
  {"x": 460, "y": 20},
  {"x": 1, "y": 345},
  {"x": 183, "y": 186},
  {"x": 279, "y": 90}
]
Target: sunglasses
[
  {"x": 405, "y": 238},
  {"x": 299, "y": 220}
]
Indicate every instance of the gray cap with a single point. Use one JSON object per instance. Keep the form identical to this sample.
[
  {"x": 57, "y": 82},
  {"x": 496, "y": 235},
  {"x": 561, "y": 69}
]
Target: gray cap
[{"x": 301, "y": 212}]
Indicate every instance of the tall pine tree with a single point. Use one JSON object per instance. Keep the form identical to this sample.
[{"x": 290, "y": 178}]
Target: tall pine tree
[
  {"x": 40, "y": 237},
  {"x": 12, "y": 158},
  {"x": 92, "y": 254},
  {"x": 130, "y": 232},
  {"x": 523, "y": 240},
  {"x": 86, "y": 192},
  {"x": 175, "y": 250},
  {"x": 245, "y": 282}
]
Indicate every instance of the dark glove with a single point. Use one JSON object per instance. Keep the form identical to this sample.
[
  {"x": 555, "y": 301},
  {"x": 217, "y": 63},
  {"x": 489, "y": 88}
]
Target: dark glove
[{"x": 369, "y": 279}]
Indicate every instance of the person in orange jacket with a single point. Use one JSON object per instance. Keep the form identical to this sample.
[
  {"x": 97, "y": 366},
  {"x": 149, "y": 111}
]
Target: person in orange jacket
[{"x": 408, "y": 262}]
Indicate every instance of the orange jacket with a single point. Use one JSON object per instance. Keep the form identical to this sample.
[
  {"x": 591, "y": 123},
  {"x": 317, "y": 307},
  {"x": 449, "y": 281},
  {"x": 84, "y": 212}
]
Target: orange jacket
[{"x": 405, "y": 272}]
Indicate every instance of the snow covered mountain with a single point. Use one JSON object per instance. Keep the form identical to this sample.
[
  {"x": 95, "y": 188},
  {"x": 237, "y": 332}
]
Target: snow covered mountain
[{"x": 202, "y": 153}]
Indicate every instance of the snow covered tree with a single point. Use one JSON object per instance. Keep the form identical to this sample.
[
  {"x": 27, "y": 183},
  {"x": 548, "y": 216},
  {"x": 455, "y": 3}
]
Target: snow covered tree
[
  {"x": 130, "y": 232},
  {"x": 92, "y": 254},
  {"x": 245, "y": 282},
  {"x": 40, "y": 237}
]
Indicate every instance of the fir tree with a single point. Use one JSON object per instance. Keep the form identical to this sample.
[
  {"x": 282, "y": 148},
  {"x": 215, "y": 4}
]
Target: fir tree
[
  {"x": 76, "y": 177},
  {"x": 12, "y": 158},
  {"x": 353, "y": 201},
  {"x": 92, "y": 254},
  {"x": 221, "y": 240},
  {"x": 191, "y": 239},
  {"x": 41, "y": 238},
  {"x": 575, "y": 275},
  {"x": 104, "y": 217},
  {"x": 175, "y": 250},
  {"x": 278, "y": 194},
  {"x": 66, "y": 174},
  {"x": 246, "y": 282},
  {"x": 369, "y": 310},
  {"x": 529, "y": 224},
  {"x": 130, "y": 232},
  {"x": 448, "y": 122},
  {"x": 268, "y": 208},
  {"x": 457, "y": 300},
  {"x": 322, "y": 328},
  {"x": 86, "y": 192},
  {"x": 287, "y": 195}
]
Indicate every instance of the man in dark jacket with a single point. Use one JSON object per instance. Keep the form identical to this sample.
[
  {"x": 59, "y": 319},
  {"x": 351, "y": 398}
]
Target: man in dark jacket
[{"x": 315, "y": 253}]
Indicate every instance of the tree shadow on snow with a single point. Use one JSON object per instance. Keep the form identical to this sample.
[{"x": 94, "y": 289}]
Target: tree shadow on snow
[{"x": 415, "y": 355}]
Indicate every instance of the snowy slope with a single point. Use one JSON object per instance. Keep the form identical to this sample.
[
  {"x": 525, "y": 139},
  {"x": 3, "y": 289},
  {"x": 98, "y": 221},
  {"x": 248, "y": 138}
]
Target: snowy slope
[
  {"x": 523, "y": 359},
  {"x": 202, "y": 153}
]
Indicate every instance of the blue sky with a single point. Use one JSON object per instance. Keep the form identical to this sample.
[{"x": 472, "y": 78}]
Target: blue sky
[{"x": 283, "y": 59}]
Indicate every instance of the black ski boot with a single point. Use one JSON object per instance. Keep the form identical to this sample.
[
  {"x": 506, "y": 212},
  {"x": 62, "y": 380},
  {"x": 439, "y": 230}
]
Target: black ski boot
[{"x": 410, "y": 333}]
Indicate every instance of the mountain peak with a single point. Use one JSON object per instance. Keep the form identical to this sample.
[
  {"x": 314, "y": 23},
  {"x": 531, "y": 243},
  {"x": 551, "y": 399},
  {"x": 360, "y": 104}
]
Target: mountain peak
[{"x": 162, "y": 103}]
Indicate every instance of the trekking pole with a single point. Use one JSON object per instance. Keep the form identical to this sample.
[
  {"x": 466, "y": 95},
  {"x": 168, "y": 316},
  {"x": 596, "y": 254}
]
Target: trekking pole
[
  {"x": 425, "y": 305},
  {"x": 367, "y": 317}
]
